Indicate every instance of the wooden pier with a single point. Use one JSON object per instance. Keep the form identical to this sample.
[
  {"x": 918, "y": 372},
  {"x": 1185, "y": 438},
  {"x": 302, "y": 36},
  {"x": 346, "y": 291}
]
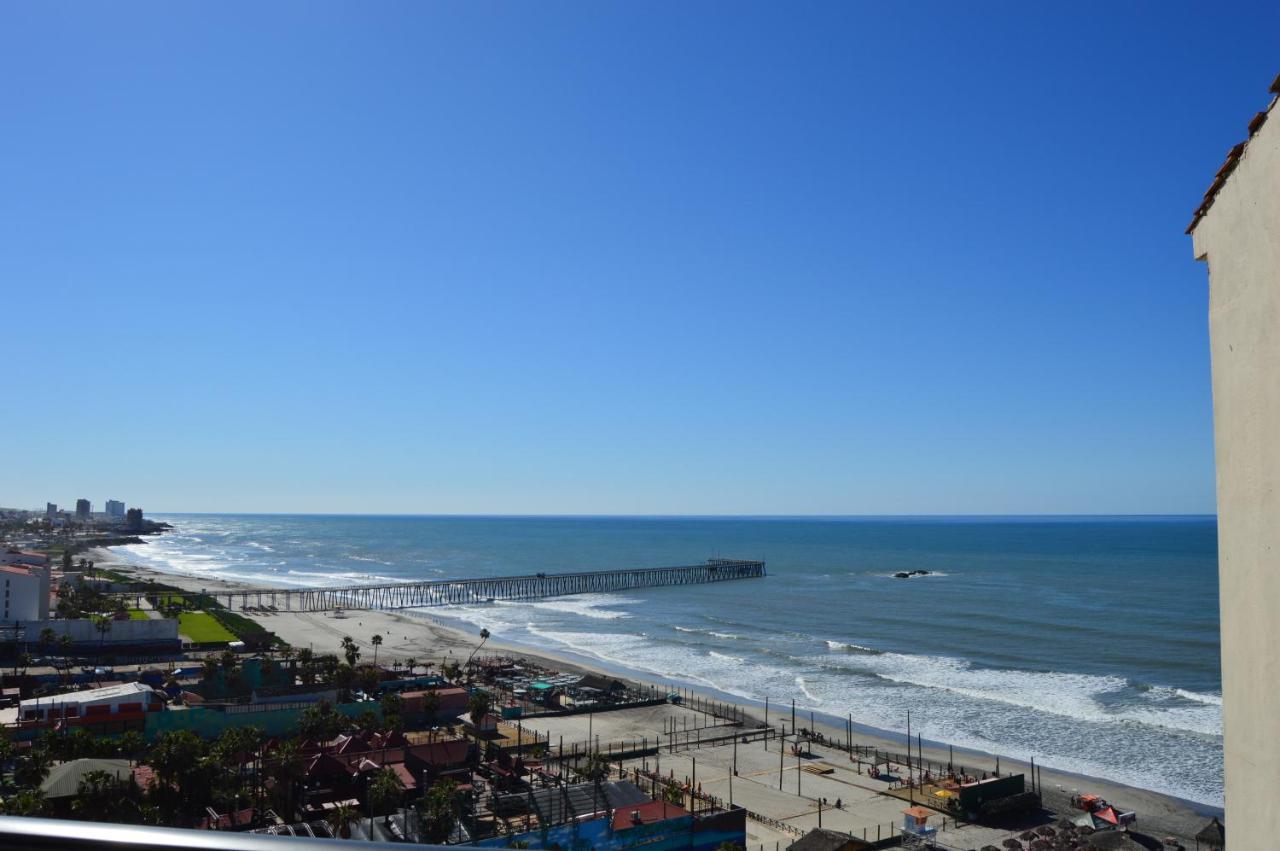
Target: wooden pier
[{"x": 447, "y": 592}]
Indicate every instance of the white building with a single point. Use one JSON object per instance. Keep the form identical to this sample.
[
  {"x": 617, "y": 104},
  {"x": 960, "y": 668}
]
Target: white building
[
  {"x": 109, "y": 700},
  {"x": 26, "y": 593},
  {"x": 115, "y": 508},
  {"x": 1236, "y": 231}
]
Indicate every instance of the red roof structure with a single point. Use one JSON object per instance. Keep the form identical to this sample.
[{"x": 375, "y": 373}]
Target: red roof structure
[{"x": 646, "y": 813}]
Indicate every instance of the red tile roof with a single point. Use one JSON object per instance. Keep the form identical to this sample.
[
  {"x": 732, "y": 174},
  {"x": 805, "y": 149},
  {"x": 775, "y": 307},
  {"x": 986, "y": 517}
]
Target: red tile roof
[
  {"x": 452, "y": 752},
  {"x": 1233, "y": 159},
  {"x": 407, "y": 780}
]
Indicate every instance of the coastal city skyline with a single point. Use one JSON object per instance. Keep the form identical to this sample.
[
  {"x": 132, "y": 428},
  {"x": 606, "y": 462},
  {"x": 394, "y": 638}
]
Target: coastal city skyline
[{"x": 858, "y": 260}]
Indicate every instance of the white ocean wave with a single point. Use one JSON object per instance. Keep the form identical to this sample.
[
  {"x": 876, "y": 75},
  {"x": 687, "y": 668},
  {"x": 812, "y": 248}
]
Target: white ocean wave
[
  {"x": 848, "y": 645},
  {"x": 1199, "y": 696}
]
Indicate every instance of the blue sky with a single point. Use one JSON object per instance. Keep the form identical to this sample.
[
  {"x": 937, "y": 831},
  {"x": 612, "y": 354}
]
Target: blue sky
[{"x": 814, "y": 258}]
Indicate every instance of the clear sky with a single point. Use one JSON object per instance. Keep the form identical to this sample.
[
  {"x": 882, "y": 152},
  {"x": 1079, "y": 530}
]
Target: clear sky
[{"x": 785, "y": 258}]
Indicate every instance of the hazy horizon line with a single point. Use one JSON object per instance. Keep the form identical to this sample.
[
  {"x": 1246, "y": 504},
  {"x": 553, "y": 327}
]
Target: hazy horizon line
[{"x": 581, "y": 516}]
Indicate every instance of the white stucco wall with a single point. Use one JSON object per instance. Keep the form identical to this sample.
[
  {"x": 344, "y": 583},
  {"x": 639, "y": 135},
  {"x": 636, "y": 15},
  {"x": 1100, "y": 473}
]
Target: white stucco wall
[
  {"x": 24, "y": 594},
  {"x": 84, "y": 632},
  {"x": 1239, "y": 237}
]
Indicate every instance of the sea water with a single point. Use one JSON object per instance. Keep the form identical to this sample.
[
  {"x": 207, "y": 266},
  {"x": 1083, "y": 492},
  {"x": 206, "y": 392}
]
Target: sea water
[{"x": 1089, "y": 643}]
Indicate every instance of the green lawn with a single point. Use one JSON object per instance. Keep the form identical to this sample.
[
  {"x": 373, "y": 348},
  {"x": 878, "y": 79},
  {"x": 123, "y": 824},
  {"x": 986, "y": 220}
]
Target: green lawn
[
  {"x": 137, "y": 615},
  {"x": 203, "y": 628}
]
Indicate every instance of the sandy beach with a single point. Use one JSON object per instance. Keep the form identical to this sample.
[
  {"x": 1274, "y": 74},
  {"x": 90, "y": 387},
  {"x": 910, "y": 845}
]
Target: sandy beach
[{"x": 421, "y": 638}]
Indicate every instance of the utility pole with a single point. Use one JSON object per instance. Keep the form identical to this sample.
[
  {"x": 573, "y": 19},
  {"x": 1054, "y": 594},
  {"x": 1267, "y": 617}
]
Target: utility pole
[
  {"x": 908, "y": 744},
  {"x": 798, "y": 771},
  {"x": 911, "y": 793},
  {"x": 782, "y": 752}
]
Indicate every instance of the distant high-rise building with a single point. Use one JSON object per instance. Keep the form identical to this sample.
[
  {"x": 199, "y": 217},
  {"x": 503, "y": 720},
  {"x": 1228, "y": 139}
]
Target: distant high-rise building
[
  {"x": 115, "y": 508},
  {"x": 133, "y": 519},
  {"x": 51, "y": 509},
  {"x": 84, "y": 509}
]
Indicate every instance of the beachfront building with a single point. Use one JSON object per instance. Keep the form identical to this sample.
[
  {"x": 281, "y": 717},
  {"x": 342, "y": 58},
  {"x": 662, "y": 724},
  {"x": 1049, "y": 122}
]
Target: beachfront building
[
  {"x": 51, "y": 510},
  {"x": 115, "y": 509},
  {"x": 113, "y": 704},
  {"x": 1236, "y": 231},
  {"x": 84, "y": 510},
  {"x": 26, "y": 593}
]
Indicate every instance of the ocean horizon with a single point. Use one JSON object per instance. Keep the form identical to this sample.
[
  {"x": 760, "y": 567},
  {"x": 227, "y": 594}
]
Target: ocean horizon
[{"x": 1089, "y": 642}]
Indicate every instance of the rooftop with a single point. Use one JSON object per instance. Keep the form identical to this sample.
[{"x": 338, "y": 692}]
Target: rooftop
[
  {"x": 1233, "y": 158},
  {"x": 646, "y": 813},
  {"x": 111, "y": 692}
]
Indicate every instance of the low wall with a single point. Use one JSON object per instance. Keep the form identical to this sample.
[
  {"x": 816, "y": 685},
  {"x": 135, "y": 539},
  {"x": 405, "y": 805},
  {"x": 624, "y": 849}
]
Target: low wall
[
  {"x": 209, "y": 723},
  {"x": 122, "y": 632}
]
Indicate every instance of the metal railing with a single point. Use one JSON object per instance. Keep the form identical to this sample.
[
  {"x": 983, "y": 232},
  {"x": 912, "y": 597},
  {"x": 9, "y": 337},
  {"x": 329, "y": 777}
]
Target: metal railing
[{"x": 20, "y": 833}]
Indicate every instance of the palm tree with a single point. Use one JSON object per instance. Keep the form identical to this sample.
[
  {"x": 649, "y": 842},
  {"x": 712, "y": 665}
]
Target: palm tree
[
  {"x": 410, "y": 664},
  {"x": 385, "y": 792},
  {"x": 286, "y": 769},
  {"x": 306, "y": 663},
  {"x": 131, "y": 745},
  {"x": 478, "y": 706},
  {"x": 103, "y": 625},
  {"x": 437, "y": 814},
  {"x": 341, "y": 818},
  {"x": 430, "y": 708},
  {"x": 29, "y": 802},
  {"x": 209, "y": 670},
  {"x": 484, "y": 636},
  {"x": 350, "y": 650},
  {"x": 96, "y": 795},
  {"x": 177, "y": 757},
  {"x": 32, "y": 768},
  {"x": 376, "y": 641},
  {"x": 47, "y": 638},
  {"x": 64, "y": 647}
]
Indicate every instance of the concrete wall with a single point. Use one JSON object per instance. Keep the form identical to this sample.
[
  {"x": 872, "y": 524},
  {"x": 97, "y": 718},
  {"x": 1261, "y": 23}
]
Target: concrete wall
[
  {"x": 1239, "y": 237},
  {"x": 82, "y": 631}
]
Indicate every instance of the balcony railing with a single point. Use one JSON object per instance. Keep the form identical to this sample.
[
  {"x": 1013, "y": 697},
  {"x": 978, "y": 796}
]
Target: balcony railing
[{"x": 19, "y": 834}]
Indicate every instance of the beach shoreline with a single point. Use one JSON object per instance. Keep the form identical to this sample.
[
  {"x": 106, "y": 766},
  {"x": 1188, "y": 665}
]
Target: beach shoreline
[{"x": 426, "y": 638}]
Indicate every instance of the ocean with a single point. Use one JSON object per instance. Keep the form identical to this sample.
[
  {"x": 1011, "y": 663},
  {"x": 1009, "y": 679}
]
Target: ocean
[{"x": 1089, "y": 643}]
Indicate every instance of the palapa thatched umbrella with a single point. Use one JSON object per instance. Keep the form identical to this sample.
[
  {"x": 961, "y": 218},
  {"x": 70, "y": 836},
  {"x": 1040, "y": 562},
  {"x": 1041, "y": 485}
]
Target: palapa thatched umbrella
[
  {"x": 1012, "y": 844},
  {"x": 1213, "y": 835}
]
